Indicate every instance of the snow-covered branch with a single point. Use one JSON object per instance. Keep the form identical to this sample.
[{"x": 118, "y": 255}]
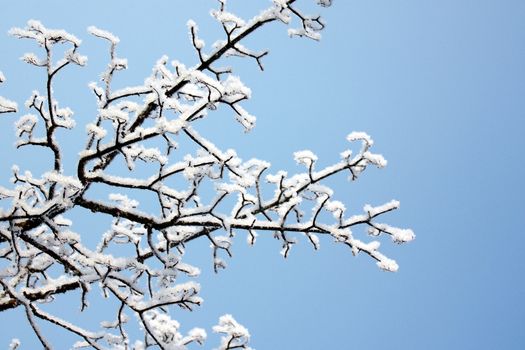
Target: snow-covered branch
[
  {"x": 6, "y": 106},
  {"x": 139, "y": 261}
]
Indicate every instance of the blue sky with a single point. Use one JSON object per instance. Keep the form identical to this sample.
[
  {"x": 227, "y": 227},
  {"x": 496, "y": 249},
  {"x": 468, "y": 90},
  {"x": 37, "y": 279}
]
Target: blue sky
[{"x": 438, "y": 85}]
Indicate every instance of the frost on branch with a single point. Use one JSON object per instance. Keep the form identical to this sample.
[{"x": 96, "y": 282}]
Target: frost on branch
[
  {"x": 15, "y": 343},
  {"x": 139, "y": 261},
  {"x": 235, "y": 336},
  {"x": 6, "y": 106},
  {"x": 165, "y": 332}
]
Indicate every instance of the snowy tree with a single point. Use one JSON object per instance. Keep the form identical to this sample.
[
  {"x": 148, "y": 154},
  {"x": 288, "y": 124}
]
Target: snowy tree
[{"x": 138, "y": 263}]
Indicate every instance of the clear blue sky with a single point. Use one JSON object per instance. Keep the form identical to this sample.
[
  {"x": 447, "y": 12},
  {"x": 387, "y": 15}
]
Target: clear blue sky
[{"x": 440, "y": 86}]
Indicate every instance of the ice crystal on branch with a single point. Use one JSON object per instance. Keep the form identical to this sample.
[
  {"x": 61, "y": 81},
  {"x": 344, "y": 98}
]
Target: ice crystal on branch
[
  {"x": 138, "y": 262},
  {"x": 235, "y": 335},
  {"x": 6, "y": 106}
]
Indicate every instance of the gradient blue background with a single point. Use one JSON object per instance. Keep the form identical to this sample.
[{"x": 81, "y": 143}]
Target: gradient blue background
[{"x": 438, "y": 84}]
